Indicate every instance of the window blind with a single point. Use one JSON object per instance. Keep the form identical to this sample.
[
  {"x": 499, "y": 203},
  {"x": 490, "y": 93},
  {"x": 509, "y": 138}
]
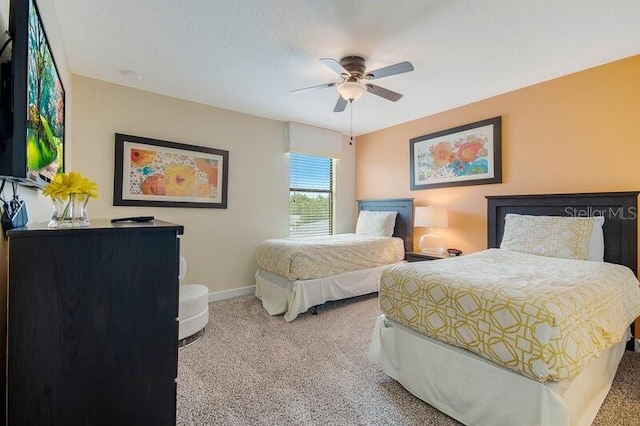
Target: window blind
[
  {"x": 312, "y": 140},
  {"x": 311, "y": 194}
]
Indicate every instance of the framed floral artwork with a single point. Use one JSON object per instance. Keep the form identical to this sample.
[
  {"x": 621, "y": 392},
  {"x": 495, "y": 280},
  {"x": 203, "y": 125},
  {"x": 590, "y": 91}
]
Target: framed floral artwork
[
  {"x": 464, "y": 155},
  {"x": 157, "y": 173}
]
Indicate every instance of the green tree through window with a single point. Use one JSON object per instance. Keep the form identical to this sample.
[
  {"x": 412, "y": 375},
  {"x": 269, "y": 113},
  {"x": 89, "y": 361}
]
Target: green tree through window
[{"x": 311, "y": 195}]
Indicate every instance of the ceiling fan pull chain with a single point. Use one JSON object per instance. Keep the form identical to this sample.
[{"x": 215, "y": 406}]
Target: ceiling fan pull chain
[{"x": 351, "y": 122}]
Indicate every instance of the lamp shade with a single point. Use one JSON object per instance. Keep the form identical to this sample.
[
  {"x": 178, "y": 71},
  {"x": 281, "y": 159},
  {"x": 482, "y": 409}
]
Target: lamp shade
[
  {"x": 351, "y": 90},
  {"x": 431, "y": 217}
]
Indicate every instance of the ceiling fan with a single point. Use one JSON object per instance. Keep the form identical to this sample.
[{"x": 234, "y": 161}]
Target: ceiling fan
[{"x": 355, "y": 79}]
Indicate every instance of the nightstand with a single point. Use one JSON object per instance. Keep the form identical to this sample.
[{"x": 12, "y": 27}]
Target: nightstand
[{"x": 417, "y": 256}]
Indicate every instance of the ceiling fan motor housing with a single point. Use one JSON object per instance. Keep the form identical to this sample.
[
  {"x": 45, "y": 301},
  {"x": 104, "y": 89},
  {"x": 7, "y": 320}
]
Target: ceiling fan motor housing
[{"x": 354, "y": 64}]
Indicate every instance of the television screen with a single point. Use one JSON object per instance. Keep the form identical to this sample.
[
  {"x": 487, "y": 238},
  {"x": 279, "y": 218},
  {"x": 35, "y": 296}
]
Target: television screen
[
  {"x": 45, "y": 105},
  {"x": 32, "y": 145}
]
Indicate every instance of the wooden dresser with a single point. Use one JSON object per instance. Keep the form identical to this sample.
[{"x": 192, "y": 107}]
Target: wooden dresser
[{"x": 92, "y": 324}]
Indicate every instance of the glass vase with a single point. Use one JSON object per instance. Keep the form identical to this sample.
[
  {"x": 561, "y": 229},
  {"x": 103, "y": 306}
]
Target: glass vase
[
  {"x": 70, "y": 212},
  {"x": 62, "y": 212},
  {"x": 79, "y": 209}
]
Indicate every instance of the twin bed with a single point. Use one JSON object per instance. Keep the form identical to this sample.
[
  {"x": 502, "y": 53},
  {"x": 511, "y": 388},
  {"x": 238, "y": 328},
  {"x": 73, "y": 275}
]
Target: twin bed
[
  {"x": 297, "y": 274},
  {"x": 505, "y": 337}
]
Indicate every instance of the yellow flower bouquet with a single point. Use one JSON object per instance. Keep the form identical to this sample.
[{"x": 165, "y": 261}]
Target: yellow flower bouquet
[
  {"x": 70, "y": 183},
  {"x": 70, "y": 193}
]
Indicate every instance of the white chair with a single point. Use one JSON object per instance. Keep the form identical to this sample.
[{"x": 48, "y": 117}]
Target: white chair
[{"x": 193, "y": 312}]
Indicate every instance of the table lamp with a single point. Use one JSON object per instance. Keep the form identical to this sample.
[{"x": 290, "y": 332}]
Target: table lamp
[{"x": 431, "y": 217}]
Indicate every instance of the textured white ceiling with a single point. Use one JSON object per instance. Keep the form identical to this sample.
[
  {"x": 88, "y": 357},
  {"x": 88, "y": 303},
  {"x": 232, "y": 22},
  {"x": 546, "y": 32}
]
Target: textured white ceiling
[{"x": 248, "y": 55}]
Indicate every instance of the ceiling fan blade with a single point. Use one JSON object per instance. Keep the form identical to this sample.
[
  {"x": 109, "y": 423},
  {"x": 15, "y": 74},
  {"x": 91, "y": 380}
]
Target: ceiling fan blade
[
  {"x": 394, "y": 69},
  {"x": 319, "y": 86},
  {"x": 335, "y": 65},
  {"x": 340, "y": 105},
  {"x": 384, "y": 93}
]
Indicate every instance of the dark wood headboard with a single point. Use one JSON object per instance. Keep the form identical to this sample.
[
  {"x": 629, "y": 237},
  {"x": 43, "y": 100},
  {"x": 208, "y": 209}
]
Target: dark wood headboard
[
  {"x": 618, "y": 208},
  {"x": 404, "y": 219}
]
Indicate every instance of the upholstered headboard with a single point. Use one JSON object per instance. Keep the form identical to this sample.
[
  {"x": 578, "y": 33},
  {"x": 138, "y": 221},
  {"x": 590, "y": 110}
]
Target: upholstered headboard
[{"x": 404, "y": 219}]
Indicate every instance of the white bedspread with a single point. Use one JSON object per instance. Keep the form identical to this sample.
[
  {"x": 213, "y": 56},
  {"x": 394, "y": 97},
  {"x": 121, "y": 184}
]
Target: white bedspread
[{"x": 317, "y": 257}]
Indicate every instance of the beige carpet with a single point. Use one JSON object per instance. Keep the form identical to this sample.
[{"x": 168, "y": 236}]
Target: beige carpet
[{"x": 254, "y": 369}]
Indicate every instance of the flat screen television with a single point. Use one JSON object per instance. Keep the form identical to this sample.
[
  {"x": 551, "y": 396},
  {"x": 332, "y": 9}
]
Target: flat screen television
[{"x": 32, "y": 150}]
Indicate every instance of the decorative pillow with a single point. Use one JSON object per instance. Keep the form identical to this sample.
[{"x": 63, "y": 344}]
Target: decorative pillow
[
  {"x": 376, "y": 223},
  {"x": 553, "y": 236}
]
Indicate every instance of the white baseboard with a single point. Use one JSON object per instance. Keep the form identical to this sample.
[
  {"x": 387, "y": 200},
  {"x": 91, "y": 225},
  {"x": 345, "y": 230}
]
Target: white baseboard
[
  {"x": 637, "y": 349},
  {"x": 228, "y": 294}
]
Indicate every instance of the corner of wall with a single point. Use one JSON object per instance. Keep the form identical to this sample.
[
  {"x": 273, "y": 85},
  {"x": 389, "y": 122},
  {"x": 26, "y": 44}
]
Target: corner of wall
[{"x": 346, "y": 189}]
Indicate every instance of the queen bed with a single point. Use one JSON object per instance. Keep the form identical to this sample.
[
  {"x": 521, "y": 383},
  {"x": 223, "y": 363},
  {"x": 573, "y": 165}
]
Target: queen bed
[
  {"x": 540, "y": 342},
  {"x": 296, "y": 274}
]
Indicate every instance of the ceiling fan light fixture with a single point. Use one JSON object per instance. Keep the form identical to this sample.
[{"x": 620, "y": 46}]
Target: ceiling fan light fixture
[{"x": 351, "y": 90}]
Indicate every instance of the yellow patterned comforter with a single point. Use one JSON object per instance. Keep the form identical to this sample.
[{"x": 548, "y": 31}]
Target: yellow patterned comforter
[
  {"x": 325, "y": 256},
  {"x": 544, "y": 317}
]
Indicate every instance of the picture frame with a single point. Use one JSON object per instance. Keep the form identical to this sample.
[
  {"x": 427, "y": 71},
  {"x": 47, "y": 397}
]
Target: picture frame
[
  {"x": 157, "y": 173},
  {"x": 460, "y": 156}
]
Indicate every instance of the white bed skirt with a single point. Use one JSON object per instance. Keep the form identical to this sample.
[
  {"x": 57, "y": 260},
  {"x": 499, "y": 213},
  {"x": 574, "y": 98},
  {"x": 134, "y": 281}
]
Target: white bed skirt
[
  {"x": 476, "y": 391},
  {"x": 291, "y": 298}
]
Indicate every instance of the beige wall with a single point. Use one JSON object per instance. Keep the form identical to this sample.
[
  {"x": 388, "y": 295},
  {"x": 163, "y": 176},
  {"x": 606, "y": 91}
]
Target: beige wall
[
  {"x": 218, "y": 243},
  {"x": 578, "y": 133}
]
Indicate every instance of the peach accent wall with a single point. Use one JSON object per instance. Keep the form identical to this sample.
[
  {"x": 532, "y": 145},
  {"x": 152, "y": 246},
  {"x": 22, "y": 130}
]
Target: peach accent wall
[{"x": 577, "y": 133}]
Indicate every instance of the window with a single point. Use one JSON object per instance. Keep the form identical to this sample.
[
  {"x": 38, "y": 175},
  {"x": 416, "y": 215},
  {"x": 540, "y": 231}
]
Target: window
[{"x": 311, "y": 195}]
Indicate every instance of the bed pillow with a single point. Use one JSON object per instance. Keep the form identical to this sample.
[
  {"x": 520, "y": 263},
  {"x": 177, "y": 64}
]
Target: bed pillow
[
  {"x": 376, "y": 223},
  {"x": 553, "y": 236},
  {"x": 595, "y": 248}
]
